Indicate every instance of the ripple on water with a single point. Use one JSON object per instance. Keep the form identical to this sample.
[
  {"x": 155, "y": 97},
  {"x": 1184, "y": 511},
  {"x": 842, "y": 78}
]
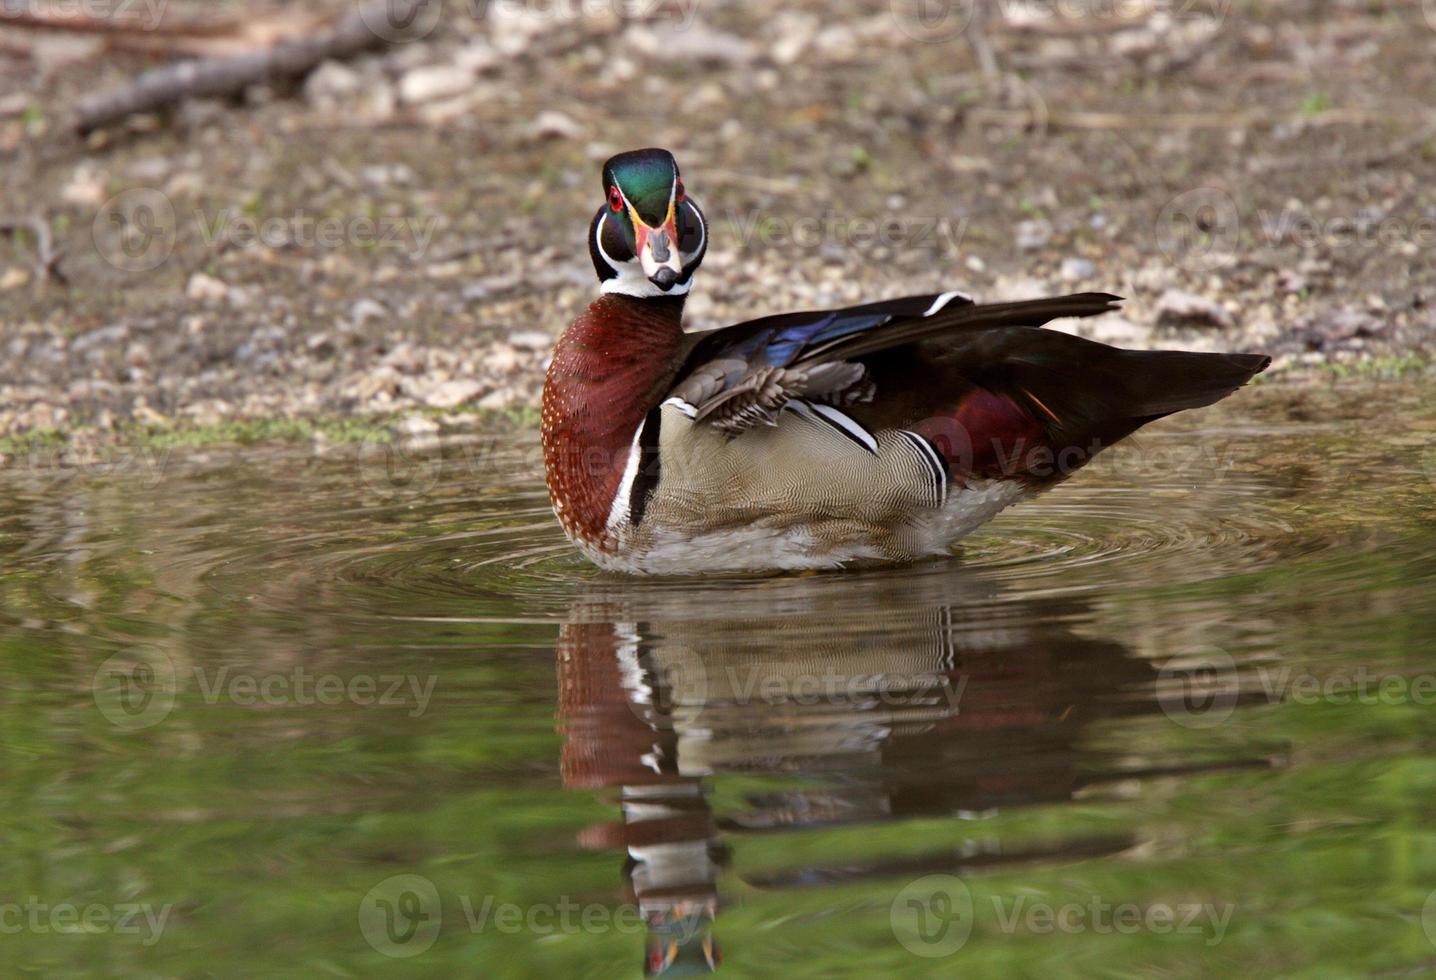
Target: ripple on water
[
  {"x": 1094, "y": 535},
  {"x": 452, "y": 544},
  {"x": 259, "y": 523}
]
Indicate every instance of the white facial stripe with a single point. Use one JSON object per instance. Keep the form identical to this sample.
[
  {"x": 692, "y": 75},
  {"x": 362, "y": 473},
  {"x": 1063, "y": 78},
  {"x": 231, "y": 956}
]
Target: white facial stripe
[
  {"x": 631, "y": 279},
  {"x": 598, "y": 240},
  {"x": 672, "y": 196},
  {"x": 633, "y": 211},
  {"x": 703, "y": 242}
]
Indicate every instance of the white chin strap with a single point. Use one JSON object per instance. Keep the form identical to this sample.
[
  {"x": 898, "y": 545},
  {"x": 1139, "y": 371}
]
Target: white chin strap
[{"x": 632, "y": 282}]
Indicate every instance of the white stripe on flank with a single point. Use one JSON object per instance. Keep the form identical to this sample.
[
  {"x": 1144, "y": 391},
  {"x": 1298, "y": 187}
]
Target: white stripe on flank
[
  {"x": 618, "y": 510},
  {"x": 848, "y": 425},
  {"x": 630, "y": 672},
  {"x": 944, "y": 299},
  {"x": 682, "y": 406},
  {"x": 939, "y": 472},
  {"x": 836, "y": 419}
]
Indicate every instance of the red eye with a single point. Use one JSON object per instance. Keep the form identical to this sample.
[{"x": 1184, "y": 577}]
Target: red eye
[
  {"x": 615, "y": 198},
  {"x": 678, "y": 191}
]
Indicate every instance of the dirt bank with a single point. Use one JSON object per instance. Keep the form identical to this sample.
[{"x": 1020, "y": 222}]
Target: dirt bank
[{"x": 404, "y": 233}]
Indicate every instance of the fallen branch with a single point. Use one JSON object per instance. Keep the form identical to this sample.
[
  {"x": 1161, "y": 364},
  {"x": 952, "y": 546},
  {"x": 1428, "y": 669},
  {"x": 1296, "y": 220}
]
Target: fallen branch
[
  {"x": 227, "y": 76},
  {"x": 1374, "y": 158},
  {"x": 76, "y": 23},
  {"x": 48, "y": 255},
  {"x": 14, "y": 49},
  {"x": 1175, "y": 120},
  {"x": 191, "y": 38}
]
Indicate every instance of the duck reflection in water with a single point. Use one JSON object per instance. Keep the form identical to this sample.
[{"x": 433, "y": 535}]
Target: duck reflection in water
[{"x": 886, "y": 696}]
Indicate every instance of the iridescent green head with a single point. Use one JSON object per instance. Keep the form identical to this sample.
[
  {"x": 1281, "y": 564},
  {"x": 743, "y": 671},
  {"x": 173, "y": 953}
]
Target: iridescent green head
[{"x": 649, "y": 236}]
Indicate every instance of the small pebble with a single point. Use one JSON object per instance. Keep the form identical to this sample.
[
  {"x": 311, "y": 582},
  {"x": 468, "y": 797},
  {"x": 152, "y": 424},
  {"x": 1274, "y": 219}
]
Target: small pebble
[
  {"x": 1033, "y": 235},
  {"x": 1076, "y": 270}
]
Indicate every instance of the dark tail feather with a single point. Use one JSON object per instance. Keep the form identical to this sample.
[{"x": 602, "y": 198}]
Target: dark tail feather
[
  {"x": 1161, "y": 382},
  {"x": 966, "y": 318},
  {"x": 1086, "y": 395}
]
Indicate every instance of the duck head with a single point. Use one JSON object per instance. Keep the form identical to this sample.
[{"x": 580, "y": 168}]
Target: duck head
[{"x": 649, "y": 236}]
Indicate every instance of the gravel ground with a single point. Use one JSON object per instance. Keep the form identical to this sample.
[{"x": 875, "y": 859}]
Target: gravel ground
[{"x": 403, "y": 234}]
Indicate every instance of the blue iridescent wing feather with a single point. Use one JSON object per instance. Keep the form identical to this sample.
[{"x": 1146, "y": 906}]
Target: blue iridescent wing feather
[{"x": 779, "y": 340}]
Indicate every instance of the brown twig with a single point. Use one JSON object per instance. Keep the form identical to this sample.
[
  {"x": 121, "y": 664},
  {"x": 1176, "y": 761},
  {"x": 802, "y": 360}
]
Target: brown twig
[
  {"x": 1398, "y": 149},
  {"x": 1067, "y": 26},
  {"x": 981, "y": 44},
  {"x": 230, "y": 75},
  {"x": 47, "y": 255},
  {"x": 1374, "y": 158},
  {"x": 1080, "y": 119},
  {"x": 14, "y": 49},
  {"x": 83, "y": 24}
]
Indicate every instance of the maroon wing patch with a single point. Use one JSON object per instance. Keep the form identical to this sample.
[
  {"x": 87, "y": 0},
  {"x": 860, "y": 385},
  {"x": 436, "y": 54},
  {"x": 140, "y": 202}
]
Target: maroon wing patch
[{"x": 988, "y": 434}]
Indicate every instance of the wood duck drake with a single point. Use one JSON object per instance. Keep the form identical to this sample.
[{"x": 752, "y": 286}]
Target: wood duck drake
[{"x": 875, "y": 433}]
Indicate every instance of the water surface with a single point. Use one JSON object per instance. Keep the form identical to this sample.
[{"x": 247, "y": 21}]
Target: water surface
[{"x": 289, "y": 712}]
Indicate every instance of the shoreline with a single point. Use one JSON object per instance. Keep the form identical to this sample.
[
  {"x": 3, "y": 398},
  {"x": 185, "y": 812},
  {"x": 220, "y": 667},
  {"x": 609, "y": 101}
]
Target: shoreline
[
  {"x": 93, "y": 447},
  {"x": 404, "y": 232}
]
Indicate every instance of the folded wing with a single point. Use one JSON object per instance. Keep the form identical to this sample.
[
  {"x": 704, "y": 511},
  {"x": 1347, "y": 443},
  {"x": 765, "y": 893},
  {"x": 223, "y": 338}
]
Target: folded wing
[{"x": 742, "y": 375}]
